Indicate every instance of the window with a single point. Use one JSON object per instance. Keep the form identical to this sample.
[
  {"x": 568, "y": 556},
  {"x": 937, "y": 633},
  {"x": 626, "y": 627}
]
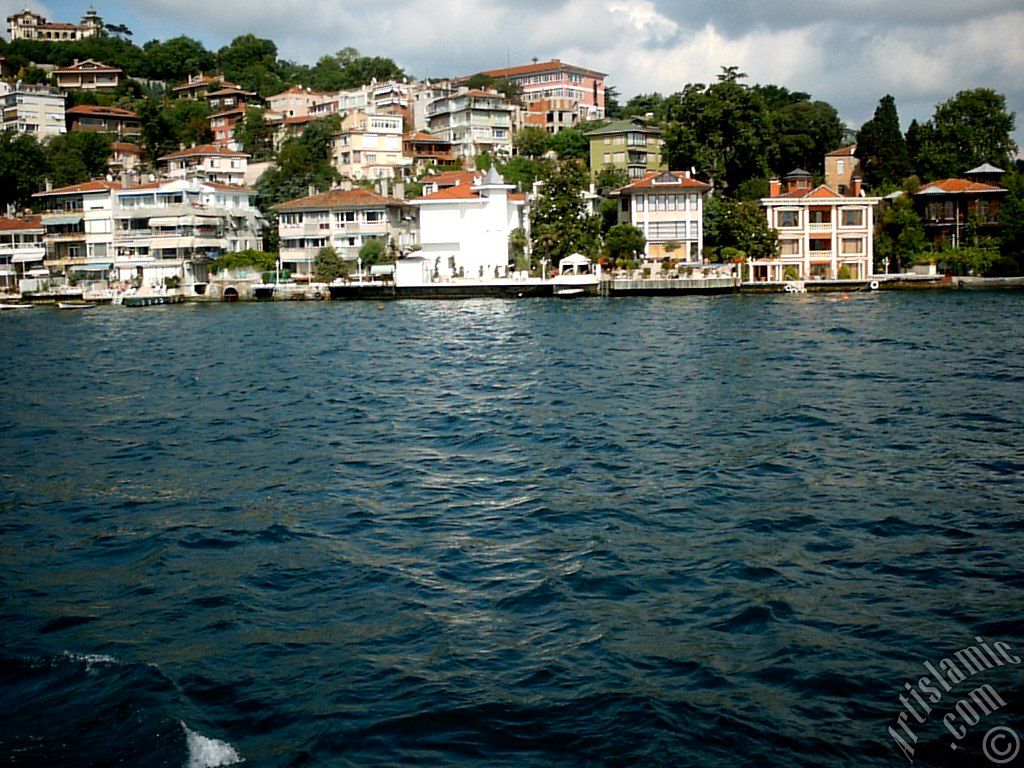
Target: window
[
  {"x": 853, "y": 245},
  {"x": 840, "y": 166},
  {"x": 820, "y": 217},
  {"x": 789, "y": 247},
  {"x": 624, "y": 204},
  {"x": 785, "y": 218},
  {"x": 853, "y": 217},
  {"x": 640, "y": 202},
  {"x": 373, "y": 217},
  {"x": 820, "y": 244}
]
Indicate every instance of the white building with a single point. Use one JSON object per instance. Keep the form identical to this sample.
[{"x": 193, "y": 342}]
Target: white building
[
  {"x": 474, "y": 122},
  {"x": 822, "y": 234},
  {"x": 464, "y": 230},
  {"x": 33, "y": 109},
  {"x": 389, "y": 97},
  {"x": 206, "y": 162},
  {"x": 343, "y": 219},
  {"x": 27, "y": 25},
  {"x": 369, "y": 146},
  {"x": 668, "y": 207},
  {"x": 21, "y": 250},
  {"x": 149, "y": 233}
]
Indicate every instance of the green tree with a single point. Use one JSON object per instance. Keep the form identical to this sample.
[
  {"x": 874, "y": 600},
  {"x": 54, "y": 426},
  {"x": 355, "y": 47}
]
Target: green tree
[
  {"x": 612, "y": 107},
  {"x": 524, "y": 171},
  {"x": 624, "y": 241},
  {"x": 531, "y": 142},
  {"x": 740, "y": 225},
  {"x": 970, "y": 129},
  {"x": 900, "y": 235},
  {"x": 374, "y": 251},
  {"x": 1011, "y": 220},
  {"x": 359, "y": 70},
  {"x": 23, "y": 166},
  {"x": 724, "y": 129},
  {"x": 609, "y": 179},
  {"x": 302, "y": 163},
  {"x": 254, "y": 134},
  {"x": 167, "y": 125},
  {"x": 805, "y": 131},
  {"x": 881, "y": 147},
  {"x": 251, "y": 62},
  {"x": 175, "y": 59},
  {"x": 559, "y": 222},
  {"x": 328, "y": 265},
  {"x": 571, "y": 144},
  {"x": 643, "y": 104},
  {"x": 517, "y": 242},
  {"x": 78, "y": 156}
]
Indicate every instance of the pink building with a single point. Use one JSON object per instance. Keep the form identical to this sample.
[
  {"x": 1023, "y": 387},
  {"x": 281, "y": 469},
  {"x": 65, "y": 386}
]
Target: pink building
[{"x": 556, "y": 81}]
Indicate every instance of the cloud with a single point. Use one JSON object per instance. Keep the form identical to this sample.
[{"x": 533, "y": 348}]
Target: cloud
[{"x": 849, "y": 54}]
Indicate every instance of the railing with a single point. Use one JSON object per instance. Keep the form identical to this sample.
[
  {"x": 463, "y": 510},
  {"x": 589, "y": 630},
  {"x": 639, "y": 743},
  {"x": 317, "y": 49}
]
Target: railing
[{"x": 820, "y": 226}]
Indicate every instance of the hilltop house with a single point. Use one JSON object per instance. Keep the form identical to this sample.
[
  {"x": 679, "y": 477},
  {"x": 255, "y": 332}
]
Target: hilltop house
[
  {"x": 822, "y": 233},
  {"x": 557, "y": 95},
  {"x": 113, "y": 120},
  {"x": 464, "y": 231},
  {"x": 88, "y": 75},
  {"x": 27, "y": 25},
  {"x": 669, "y": 208},
  {"x": 841, "y": 166}
]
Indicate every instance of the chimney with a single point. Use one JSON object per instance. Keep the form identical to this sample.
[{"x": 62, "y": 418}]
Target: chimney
[
  {"x": 856, "y": 190},
  {"x": 311, "y": 190},
  {"x": 399, "y": 191},
  {"x": 346, "y": 185},
  {"x": 686, "y": 174},
  {"x": 49, "y": 184},
  {"x": 126, "y": 181},
  {"x": 774, "y": 186}
]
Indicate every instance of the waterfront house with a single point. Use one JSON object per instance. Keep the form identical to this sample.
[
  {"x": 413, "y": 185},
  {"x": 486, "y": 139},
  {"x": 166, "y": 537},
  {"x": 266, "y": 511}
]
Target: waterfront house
[
  {"x": 465, "y": 228},
  {"x": 954, "y": 211},
  {"x": 33, "y": 109},
  {"x": 342, "y": 219},
  {"x": 474, "y": 122},
  {"x": 166, "y": 232},
  {"x": 122, "y": 123},
  {"x": 369, "y": 146},
  {"x": 668, "y": 207},
  {"x": 28, "y": 25},
  {"x": 553, "y": 87},
  {"x": 206, "y": 162},
  {"x": 78, "y": 231},
  {"x": 822, "y": 234},
  {"x": 88, "y": 75},
  {"x": 21, "y": 253},
  {"x": 628, "y": 145}
]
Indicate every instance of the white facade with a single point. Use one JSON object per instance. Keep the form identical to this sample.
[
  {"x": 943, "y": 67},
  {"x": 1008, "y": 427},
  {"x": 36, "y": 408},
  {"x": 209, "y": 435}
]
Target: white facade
[
  {"x": 207, "y": 163},
  {"x": 464, "y": 231},
  {"x": 34, "y": 26},
  {"x": 668, "y": 208},
  {"x": 369, "y": 146},
  {"x": 21, "y": 250},
  {"x": 474, "y": 122},
  {"x": 34, "y": 110},
  {"x": 822, "y": 234}
]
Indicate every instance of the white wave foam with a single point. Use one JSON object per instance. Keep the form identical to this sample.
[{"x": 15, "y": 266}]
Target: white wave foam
[
  {"x": 204, "y": 752},
  {"x": 90, "y": 659}
]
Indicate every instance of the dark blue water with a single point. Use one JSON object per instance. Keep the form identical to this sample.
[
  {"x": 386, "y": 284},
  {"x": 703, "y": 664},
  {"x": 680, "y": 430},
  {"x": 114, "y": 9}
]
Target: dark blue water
[{"x": 663, "y": 532}]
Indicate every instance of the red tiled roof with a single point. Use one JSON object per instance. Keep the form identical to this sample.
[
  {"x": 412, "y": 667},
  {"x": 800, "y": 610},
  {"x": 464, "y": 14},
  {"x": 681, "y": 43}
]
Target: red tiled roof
[
  {"x": 300, "y": 119},
  {"x": 482, "y": 93},
  {"x": 648, "y": 182},
  {"x": 21, "y": 223},
  {"x": 88, "y": 109},
  {"x": 127, "y": 148},
  {"x": 464, "y": 192},
  {"x": 955, "y": 186},
  {"x": 203, "y": 150},
  {"x": 843, "y": 151},
  {"x": 421, "y": 136},
  {"x": 545, "y": 66},
  {"x": 449, "y": 178},
  {"x": 799, "y": 194},
  {"x": 229, "y": 91},
  {"x": 89, "y": 186},
  {"x": 205, "y": 80},
  {"x": 87, "y": 66},
  {"x": 339, "y": 198},
  {"x": 235, "y": 111}
]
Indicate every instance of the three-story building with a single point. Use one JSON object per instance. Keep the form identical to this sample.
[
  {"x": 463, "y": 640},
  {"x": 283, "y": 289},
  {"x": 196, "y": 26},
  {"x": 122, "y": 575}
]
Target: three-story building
[{"x": 668, "y": 207}]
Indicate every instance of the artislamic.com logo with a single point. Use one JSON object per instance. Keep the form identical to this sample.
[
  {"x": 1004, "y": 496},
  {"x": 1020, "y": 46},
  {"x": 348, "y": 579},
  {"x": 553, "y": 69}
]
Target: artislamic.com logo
[{"x": 1000, "y": 745}]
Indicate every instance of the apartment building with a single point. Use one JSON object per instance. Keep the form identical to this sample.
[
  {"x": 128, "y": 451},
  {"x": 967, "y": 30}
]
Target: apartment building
[
  {"x": 343, "y": 219},
  {"x": 369, "y": 146},
  {"x": 628, "y": 145},
  {"x": 668, "y": 207},
  {"x": 474, "y": 122},
  {"x": 122, "y": 123},
  {"x": 88, "y": 75},
  {"x": 21, "y": 251},
  {"x": 576, "y": 89},
  {"x": 206, "y": 162},
  {"x": 33, "y": 109}
]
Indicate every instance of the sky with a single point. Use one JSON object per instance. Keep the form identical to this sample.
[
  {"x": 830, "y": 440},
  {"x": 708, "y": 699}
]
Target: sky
[{"x": 849, "y": 54}]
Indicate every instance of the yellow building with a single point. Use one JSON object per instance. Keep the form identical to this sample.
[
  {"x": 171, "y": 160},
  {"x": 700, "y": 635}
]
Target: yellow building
[{"x": 369, "y": 146}]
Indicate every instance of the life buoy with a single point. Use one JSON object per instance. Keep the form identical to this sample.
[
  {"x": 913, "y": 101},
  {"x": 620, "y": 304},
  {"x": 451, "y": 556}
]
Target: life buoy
[
  {"x": 789, "y": 288},
  {"x": 873, "y": 285}
]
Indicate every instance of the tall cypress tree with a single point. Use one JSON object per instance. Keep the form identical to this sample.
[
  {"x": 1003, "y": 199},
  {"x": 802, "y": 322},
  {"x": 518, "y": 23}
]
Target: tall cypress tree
[{"x": 881, "y": 147}]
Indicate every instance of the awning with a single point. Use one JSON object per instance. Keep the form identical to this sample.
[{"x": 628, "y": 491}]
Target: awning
[
  {"x": 165, "y": 221},
  {"x": 27, "y": 258},
  {"x": 38, "y": 273},
  {"x": 58, "y": 220},
  {"x": 382, "y": 269},
  {"x": 91, "y": 267},
  {"x": 170, "y": 242}
]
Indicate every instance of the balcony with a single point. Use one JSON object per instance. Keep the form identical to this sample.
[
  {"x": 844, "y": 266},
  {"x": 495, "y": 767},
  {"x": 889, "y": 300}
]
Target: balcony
[{"x": 820, "y": 226}]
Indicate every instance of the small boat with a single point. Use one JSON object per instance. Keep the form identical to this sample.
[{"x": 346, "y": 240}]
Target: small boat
[
  {"x": 74, "y": 305},
  {"x": 569, "y": 293},
  {"x": 16, "y": 306}
]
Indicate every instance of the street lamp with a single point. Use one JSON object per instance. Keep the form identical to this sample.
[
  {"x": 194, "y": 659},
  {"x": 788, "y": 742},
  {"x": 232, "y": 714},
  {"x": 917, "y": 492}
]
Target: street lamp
[{"x": 359, "y": 265}]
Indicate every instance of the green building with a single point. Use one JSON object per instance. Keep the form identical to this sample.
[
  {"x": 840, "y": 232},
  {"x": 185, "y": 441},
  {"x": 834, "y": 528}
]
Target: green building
[{"x": 630, "y": 145}]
